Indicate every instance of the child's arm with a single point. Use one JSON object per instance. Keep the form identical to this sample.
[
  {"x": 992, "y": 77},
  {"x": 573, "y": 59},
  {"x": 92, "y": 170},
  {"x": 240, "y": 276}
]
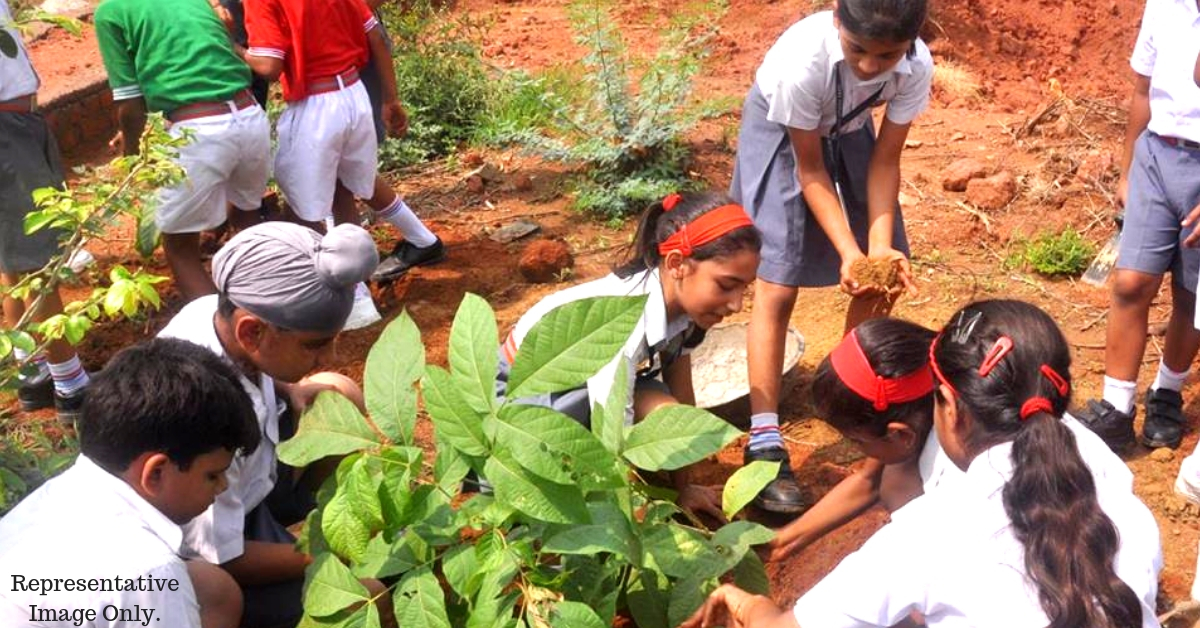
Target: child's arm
[
  {"x": 394, "y": 118},
  {"x": 1139, "y": 119},
  {"x": 131, "y": 121},
  {"x": 268, "y": 68},
  {"x": 883, "y": 190},
  {"x": 850, "y": 498},
  {"x": 267, "y": 563},
  {"x": 734, "y": 608},
  {"x": 822, "y": 199}
]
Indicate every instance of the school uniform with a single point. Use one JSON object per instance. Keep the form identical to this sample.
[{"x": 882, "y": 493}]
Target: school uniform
[
  {"x": 29, "y": 159},
  {"x": 656, "y": 342},
  {"x": 1164, "y": 176},
  {"x": 796, "y": 86},
  {"x": 327, "y": 133},
  {"x": 176, "y": 55},
  {"x": 88, "y": 523},
  {"x": 951, "y": 556}
]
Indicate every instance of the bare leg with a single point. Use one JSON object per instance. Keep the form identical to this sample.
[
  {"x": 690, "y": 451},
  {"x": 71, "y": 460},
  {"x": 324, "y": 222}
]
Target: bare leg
[
  {"x": 218, "y": 594},
  {"x": 243, "y": 218},
  {"x": 767, "y": 334},
  {"x": 345, "y": 207},
  {"x": 183, "y": 254},
  {"x": 1183, "y": 339},
  {"x": 1125, "y": 341},
  {"x": 384, "y": 195}
]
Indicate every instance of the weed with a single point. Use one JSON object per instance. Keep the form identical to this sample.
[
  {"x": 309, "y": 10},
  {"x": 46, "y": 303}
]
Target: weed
[
  {"x": 28, "y": 457},
  {"x": 956, "y": 82},
  {"x": 1064, "y": 253}
]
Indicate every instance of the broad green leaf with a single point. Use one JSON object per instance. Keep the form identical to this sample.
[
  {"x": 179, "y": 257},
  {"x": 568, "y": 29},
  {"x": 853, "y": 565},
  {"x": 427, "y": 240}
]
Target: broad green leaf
[
  {"x": 532, "y": 495},
  {"x": 382, "y": 559},
  {"x": 454, "y": 420},
  {"x": 675, "y": 436},
  {"x": 366, "y": 616},
  {"x": 734, "y": 540},
  {"x": 332, "y": 426},
  {"x": 687, "y": 595},
  {"x": 681, "y": 552},
  {"x": 595, "y": 581},
  {"x": 589, "y": 539},
  {"x": 574, "y": 615},
  {"x": 346, "y": 534},
  {"x": 147, "y": 236},
  {"x": 741, "y": 487},
  {"x": 553, "y": 446},
  {"x": 331, "y": 588},
  {"x": 492, "y": 605},
  {"x": 572, "y": 343},
  {"x": 419, "y": 601},
  {"x": 361, "y": 491},
  {"x": 449, "y": 469},
  {"x": 474, "y": 353},
  {"x": 608, "y": 424},
  {"x": 648, "y": 595},
  {"x": 459, "y": 565},
  {"x": 389, "y": 378},
  {"x": 38, "y": 220},
  {"x": 750, "y": 575}
]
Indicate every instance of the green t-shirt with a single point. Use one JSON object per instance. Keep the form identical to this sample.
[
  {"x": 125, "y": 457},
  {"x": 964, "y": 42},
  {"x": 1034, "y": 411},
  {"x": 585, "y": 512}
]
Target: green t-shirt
[{"x": 171, "y": 52}]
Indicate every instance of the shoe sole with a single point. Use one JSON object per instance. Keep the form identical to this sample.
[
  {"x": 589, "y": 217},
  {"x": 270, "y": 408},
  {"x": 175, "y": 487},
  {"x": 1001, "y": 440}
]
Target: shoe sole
[
  {"x": 1157, "y": 444},
  {"x": 400, "y": 273},
  {"x": 782, "y": 508},
  {"x": 29, "y": 405}
]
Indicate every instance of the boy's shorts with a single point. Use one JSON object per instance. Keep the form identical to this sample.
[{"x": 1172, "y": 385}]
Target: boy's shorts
[
  {"x": 227, "y": 161},
  {"x": 1164, "y": 186},
  {"x": 29, "y": 160},
  {"x": 324, "y": 139}
]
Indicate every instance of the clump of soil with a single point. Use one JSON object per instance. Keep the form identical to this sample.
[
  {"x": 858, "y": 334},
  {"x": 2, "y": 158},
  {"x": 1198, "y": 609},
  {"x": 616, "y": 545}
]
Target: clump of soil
[
  {"x": 545, "y": 260},
  {"x": 883, "y": 275}
]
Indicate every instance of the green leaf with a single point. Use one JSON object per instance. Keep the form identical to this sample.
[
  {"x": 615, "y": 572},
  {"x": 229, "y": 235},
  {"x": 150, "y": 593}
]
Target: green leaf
[
  {"x": 454, "y": 420},
  {"x": 419, "y": 602},
  {"x": 676, "y": 436},
  {"x": 608, "y": 424},
  {"x": 331, "y": 588},
  {"x": 23, "y": 341},
  {"x": 382, "y": 559},
  {"x": 37, "y": 220},
  {"x": 147, "y": 236},
  {"x": 474, "y": 353},
  {"x": 741, "y": 487},
  {"x": 493, "y": 605},
  {"x": 76, "y": 327},
  {"x": 574, "y": 615},
  {"x": 750, "y": 575},
  {"x": 572, "y": 343},
  {"x": 332, "y": 426},
  {"x": 361, "y": 490},
  {"x": 648, "y": 595},
  {"x": 681, "y": 552},
  {"x": 590, "y": 539},
  {"x": 532, "y": 495},
  {"x": 345, "y": 532},
  {"x": 734, "y": 540},
  {"x": 460, "y": 566},
  {"x": 555, "y": 447},
  {"x": 449, "y": 469},
  {"x": 687, "y": 595},
  {"x": 394, "y": 364}
]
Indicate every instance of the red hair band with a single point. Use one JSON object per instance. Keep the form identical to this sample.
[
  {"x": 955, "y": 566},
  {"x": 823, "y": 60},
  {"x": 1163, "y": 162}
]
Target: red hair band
[
  {"x": 707, "y": 227},
  {"x": 671, "y": 200},
  {"x": 1002, "y": 347},
  {"x": 851, "y": 365}
]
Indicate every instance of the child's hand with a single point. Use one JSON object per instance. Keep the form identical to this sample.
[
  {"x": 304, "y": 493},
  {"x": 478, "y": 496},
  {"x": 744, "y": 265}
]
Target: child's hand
[
  {"x": 302, "y": 395},
  {"x": 848, "y": 283},
  {"x": 730, "y": 607},
  {"x": 395, "y": 120},
  {"x": 780, "y": 548},
  {"x": 701, "y": 499},
  {"x": 1193, "y": 239},
  {"x": 903, "y": 267}
]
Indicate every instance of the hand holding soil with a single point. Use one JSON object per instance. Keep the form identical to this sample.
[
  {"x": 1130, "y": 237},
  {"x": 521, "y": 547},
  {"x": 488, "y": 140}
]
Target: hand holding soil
[{"x": 882, "y": 275}]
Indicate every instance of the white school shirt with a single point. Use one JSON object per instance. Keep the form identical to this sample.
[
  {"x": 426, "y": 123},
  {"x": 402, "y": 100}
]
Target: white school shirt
[
  {"x": 798, "y": 80},
  {"x": 1166, "y": 50},
  {"x": 951, "y": 556},
  {"x": 17, "y": 76},
  {"x": 652, "y": 328},
  {"x": 217, "y": 535},
  {"x": 89, "y": 524}
]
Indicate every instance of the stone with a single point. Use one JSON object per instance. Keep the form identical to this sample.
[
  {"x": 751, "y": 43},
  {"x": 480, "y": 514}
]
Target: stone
[
  {"x": 475, "y": 183},
  {"x": 514, "y": 231},
  {"x": 957, "y": 174},
  {"x": 993, "y": 192},
  {"x": 544, "y": 261},
  {"x": 522, "y": 182},
  {"x": 1162, "y": 454}
]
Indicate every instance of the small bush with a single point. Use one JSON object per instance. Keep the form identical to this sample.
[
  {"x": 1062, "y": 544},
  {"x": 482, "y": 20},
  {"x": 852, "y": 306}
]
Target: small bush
[{"x": 1064, "y": 253}]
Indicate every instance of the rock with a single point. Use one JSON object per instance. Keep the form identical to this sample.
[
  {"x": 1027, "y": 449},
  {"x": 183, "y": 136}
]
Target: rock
[
  {"x": 994, "y": 192},
  {"x": 1162, "y": 454},
  {"x": 957, "y": 174},
  {"x": 522, "y": 182},
  {"x": 1097, "y": 166},
  {"x": 475, "y": 183},
  {"x": 514, "y": 231},
  {"x": 913, "y": 143},
  {"x": 543, "y": 261},
  {"x": 472, "y": 159},
  {"x": 958, "y": 136}
]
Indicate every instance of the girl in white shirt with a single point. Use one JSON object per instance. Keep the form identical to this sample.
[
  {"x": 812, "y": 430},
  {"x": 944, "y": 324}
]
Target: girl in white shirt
[{"x": 1031, "y": 535}]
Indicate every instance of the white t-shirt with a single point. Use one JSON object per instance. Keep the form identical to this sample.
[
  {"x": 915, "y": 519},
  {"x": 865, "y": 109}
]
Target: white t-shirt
[
  {"x": 951, "y": 556},
  {"x": 652, "y": 329},
  {"x": 89, "y": 524},
  {"x": 217, "y": 535},
  {"x": 797, "y": 78},
  {"x": 17, "y": 77},
  {"x": 1170, "y": 27}
]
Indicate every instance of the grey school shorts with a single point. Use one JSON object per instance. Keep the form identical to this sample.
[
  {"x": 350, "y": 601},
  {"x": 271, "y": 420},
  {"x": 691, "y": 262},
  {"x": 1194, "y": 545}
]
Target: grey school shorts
[
  {"x": 29, "y": 160},
  {"x": 1164, "y": 186}
]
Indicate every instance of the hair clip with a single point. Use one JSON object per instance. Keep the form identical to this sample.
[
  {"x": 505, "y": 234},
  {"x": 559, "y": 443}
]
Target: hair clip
[
  {"x": 963, "y": 332},
  {"x": 1003, "y": 345},
  {"x": 671, "y": 201},
  {"x": 1060, "y": 384}
]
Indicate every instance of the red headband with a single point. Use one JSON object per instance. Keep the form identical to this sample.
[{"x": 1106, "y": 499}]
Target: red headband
[
  {"x": 708, "y": 227},
  {"x": 1003, "y": 345},
  {"x": 852, "y": 367}
]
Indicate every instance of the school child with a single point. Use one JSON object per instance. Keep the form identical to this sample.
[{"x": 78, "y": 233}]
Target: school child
[
  {"x": 693, "y": 256},
  {"x": 1159, "y": 186},
  {"x": 175, "y": 56},
  {"x": 327, "y": 145},
  {"x": 160, "y": 426},
  {"x": 876, "y": 388},
  {"x": 284, "y": 292},
  {"x": 819, "y": 183},
  {"x": 1031, "y": 535},
  {"x": 29, "y": 160}
]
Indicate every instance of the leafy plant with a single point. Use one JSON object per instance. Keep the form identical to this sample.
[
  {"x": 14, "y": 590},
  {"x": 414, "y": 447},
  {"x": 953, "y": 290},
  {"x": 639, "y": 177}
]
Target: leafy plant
[
  {"x": 570, "y": 534},
  {"x": 28, "y": 457},
  {"x": 1064, "y": 253}
]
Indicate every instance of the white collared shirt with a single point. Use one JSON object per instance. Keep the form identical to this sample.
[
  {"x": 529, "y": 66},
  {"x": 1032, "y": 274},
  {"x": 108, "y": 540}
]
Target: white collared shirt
[
  {"x": 798, "y": 80},
  {"x": 653, "y": 327},
  {"x": 217, "y": 535},
  {"x": 89, "y": 524},
  {"x": 1166, "y": 50},
  {"x": 951, "y": 555},
  {"x": 17, "y": 76}
]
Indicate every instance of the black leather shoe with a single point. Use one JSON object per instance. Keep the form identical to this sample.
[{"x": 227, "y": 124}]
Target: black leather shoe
[
  {"x": 783, "y": 494},
  {"x": 406, "y": 256},
  {"x": 36, "y": 393},
  {"x": 1114, "y": 427},
  {"x": 1164, "y": 419},
  {"x": 69, "y": 407}
]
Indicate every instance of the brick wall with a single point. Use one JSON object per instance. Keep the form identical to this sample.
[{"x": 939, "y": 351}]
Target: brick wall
[{"x": 83, "y": 121}]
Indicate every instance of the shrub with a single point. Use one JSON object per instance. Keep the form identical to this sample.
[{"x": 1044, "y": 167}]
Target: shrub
[{"x": 1064, "y": 253}]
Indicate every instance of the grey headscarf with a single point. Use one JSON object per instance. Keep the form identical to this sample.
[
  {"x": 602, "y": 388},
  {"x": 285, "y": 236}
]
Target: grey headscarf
[{"x": 293, "y": 277}]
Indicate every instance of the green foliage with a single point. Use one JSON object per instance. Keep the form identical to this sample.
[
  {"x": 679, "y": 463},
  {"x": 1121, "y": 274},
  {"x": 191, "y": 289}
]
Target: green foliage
[
  {"x": 1064, "y": 253},
  {"x": 28, "y": 457},
  {"x": 570, "y": 533}
]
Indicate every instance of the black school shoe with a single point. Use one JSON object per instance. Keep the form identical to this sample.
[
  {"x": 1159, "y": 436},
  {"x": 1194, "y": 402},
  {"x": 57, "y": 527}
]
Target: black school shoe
[
  {"x": 783, "y": 494},
  {"x": 1114, "y": 427},
  {"x": 69, "y": 407},
  {"x": 406, "y": 256},
  {"x": 1164, "y": 419},
  {"x": 36, "y": 393}
]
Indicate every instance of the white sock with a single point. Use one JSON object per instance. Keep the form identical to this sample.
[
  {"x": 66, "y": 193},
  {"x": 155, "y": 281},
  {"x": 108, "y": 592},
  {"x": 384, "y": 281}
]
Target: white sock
[
  {"x": 1120, "y": 393},
  {"x": 39, "y": 361},
  {"x": 401, "y": 216},
  {"x": 1166, "y": 378},
  {"x": 764, "y": 431}
]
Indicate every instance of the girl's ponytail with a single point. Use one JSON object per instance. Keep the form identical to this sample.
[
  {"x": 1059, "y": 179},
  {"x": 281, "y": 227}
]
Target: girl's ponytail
[
  {"x": 1009, "y": 366},
  {"x": 663, "y": 219}
]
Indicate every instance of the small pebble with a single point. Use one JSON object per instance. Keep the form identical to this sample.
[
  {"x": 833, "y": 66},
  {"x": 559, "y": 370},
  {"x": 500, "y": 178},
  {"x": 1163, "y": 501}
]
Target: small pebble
[{"x": 1162, "y": 454}]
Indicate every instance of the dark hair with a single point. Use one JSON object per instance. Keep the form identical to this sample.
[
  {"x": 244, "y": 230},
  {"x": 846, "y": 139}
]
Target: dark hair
[
  {"x": 225, "y": 306},
  {"x": 884, "y": 20},
  {"x": 894, "y": 348},
  {"x": 165, "y": 395},
  {"x": 1070, "y": 543},
  {"x": 658, "y": 224}
]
